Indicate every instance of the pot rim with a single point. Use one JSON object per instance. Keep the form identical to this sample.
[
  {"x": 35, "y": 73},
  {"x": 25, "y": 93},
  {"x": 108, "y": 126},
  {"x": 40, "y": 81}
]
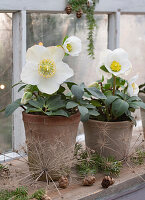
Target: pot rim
[
  {"x": 46, "y": 116},
  {"x": 113, "y": 123}
]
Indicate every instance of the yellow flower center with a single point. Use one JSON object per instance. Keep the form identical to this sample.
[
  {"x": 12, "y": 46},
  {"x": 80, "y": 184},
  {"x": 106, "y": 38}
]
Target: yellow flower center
[
  {"x": 47, "y": 68},
  {"x": 40, "y": 44},
  {"x": 69, "y": 47},
  {"x": 133, "y": 86},
  {"x": 115, "y": 66}
]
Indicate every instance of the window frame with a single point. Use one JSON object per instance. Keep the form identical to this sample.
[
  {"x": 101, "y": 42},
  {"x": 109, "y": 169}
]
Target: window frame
[{"x": 114, "y": 8}]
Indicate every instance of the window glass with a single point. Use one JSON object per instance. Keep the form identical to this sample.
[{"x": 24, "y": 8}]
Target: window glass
[
  {"x": 5, "y": 79},
  {"x": 132, "y": 39}
]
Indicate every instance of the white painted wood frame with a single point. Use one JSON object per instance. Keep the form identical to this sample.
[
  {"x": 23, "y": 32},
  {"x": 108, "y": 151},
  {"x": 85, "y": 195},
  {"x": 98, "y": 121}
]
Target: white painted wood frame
[
  {"x": 19, "y": 8},
  {"x": 19, "y": 51}
]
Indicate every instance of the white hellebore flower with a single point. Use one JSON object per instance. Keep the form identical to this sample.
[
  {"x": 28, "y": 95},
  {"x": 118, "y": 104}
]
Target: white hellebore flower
[
  {"x": 100, "y": 72},
  {"x": 133, "y": 88},
  {"x": 117, "y": 62},
  {"x": 72, "y": 46},
  {"x": 44, "y": 67}
]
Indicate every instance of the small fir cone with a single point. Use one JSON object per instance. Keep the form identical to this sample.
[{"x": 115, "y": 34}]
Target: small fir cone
[
  {"x": 107, "y": 181},
  {"x": 89, "y": 180},
  {"x": 5, "y": 172},
  {"x": 46, "y": 197},
  {"x": 63, "y": 182},
  {"x": 68, "y": 9},
  {"x": 79, "y": 13}
]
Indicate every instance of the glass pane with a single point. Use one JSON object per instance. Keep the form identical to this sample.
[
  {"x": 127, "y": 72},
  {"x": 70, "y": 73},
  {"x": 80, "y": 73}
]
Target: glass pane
[
  {"x": 50, "y": 29},
  {"x": 5, "y": 79},
  {"x": 133, "y": 41}
]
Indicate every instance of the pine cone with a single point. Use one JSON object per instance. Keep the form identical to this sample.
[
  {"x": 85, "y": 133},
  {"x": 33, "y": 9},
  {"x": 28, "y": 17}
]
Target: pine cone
[
  {"x": 79, "y": 13},
  {"x": 46, "y": 197},
  {"x": 68, "y": 9},
  {"x": 63, "y": 182},
  {"x": 107, "y": 181},
  {"x": 88, "y": 181}
]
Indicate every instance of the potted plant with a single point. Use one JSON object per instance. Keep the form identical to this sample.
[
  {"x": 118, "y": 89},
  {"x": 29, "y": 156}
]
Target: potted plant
[
  {"x": 115, "y": 99},
  {"x": 142, "y": 96},
  {"x": 50, "y": 120}
]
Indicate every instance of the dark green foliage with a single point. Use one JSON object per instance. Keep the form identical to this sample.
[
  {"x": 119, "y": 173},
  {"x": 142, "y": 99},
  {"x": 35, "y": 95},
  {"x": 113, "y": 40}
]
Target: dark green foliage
[
  {"x": 138, "y": 157},
  {"x": 91, "y": 23},
  {"x": 12, "y": 107},
  {"x": 38, "y": 194},
  {"x": 89, "y": 162},
  {"x": 112, "y": 105},
  {"x": 21, "y": 193},
  {"x": 18, "y": 194},
  {"x": 142, "y": 88}
]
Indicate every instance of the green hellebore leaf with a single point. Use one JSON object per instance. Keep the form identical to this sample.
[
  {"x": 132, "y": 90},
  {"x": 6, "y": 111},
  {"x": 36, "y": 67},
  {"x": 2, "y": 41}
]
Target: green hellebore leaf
[
  {"x": 110, "y": 99},
  {"x": 54, "y": 103},
  {"x": 64, "y": 39},
  {"x": 133, "y": 105},
  {"x": 35, "y": 104},
  {"x": 104, "y": 68},
  {"x": 70, "y": 84},
  {"x": 77, "y": 91},
  {"x": 84, "y": 113},
  {"x": 32, "y": 109},
  {"x": 71, "y": 104},
  {"x": 12, "y": 107},
  {"x": 94, "y": 113},
  {"x": 119, "y": 107},
  {"x": 60, "y": 113},
  {"x": 141, "y": 104},
  {"x": 96, "y": 103},
  {"x": 21, "y": 88},
  {"x": 26, "y": 97},
  {"x": 96, "y": 93},
  {"x": 134, "y": 98}
]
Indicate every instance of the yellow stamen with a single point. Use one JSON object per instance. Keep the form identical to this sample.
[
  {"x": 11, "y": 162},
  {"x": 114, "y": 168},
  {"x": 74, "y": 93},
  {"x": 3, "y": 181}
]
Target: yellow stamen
[
  {"x": 47, "y": 68},
  {"x": 115, "y": 66},
  {"x": 40, "y": 44},
  {"x": 133, "y": 86},
  {"x": 69, "y": 47}
]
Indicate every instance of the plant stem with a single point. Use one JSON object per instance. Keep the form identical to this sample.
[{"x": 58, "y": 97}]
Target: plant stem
[
  {"x": 23, "y": 107},
  {"x": 114, "y": 84}
]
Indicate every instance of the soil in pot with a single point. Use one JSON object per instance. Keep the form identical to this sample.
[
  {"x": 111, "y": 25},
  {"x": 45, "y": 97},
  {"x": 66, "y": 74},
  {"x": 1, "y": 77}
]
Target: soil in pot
[
  {"x": 50, "y": 142},
  {"x": 142, "y": 96},
  {"x": 109, "y": 138}
]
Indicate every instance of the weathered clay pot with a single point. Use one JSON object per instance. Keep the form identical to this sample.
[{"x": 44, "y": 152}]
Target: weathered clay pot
[
  {"x": 109, "y": 138},
  {"x": 142, "y": 96},
  {"x": 50, "y": 142}
]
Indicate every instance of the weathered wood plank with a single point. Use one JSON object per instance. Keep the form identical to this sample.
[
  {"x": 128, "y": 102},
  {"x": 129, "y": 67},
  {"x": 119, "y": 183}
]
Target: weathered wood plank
[
  {"x": 104, "y": 6},
  {"x": 19, "y": 51},
  {"x": 114, "y": 30}
]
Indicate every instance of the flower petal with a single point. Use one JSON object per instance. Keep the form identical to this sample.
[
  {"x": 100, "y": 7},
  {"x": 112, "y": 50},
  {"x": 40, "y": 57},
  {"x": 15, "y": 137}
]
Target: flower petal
[
  {"x": 34, "y": 54},
  {"x": 54, "y": 52},
  {"x": 29, "y": 74},
  {"x": 76, "y": 45},
  {"x": 119, "y": 54},
  {"x": 48, "y": 85},
  {"x": 133, "y": 79},
  {"x": 63, "y": 72}
]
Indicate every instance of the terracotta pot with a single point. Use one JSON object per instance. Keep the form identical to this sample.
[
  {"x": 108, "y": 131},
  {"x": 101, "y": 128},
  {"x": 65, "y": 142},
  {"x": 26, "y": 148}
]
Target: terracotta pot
[
  {"x": 109, "y": 138},
  {"x": 50, "y": 142},
  {"x": 142, "y": 96}
]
